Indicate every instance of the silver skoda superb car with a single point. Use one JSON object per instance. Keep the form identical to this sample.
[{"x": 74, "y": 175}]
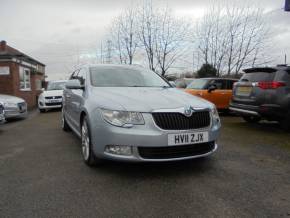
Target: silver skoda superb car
[{"x": 132, "y": 114}]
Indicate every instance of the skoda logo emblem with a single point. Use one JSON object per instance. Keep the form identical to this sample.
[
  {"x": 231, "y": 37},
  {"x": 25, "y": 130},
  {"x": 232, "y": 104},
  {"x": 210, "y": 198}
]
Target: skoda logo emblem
[{"x": 188, "y": 111}]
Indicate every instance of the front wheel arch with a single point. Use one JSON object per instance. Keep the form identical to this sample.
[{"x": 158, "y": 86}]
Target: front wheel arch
[
  {"x": 92, "y": 159},
  {"x": 82, "y": 117}
]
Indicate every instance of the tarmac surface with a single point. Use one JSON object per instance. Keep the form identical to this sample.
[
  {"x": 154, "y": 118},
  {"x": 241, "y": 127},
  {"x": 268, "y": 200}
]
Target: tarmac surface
[{"x": 42, "y": 175}]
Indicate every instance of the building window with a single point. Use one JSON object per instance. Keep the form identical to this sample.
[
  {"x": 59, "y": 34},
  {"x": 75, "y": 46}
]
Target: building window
[
  {"x": 24, "y": 75},
  {"x": 4, "y": 71}
]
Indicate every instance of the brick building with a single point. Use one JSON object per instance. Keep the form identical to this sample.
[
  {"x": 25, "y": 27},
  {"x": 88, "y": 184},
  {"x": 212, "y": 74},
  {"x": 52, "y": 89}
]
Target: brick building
[{"x": 20, "y": 75}]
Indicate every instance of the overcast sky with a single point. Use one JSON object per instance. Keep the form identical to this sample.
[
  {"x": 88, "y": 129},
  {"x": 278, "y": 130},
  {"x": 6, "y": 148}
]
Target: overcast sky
[{"x": 57, "y": 32}]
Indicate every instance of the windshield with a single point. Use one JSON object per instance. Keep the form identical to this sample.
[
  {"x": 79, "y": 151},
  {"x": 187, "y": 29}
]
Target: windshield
[
  {"x": 258, "y": 77},
  {"x": 198, "y": 84},
  {"x": 125, "y": 77},
  {"x": 56, "y": 86}
]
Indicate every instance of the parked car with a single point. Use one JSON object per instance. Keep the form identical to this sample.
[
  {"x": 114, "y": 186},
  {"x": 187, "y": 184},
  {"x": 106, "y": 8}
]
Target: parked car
[
  {"x": 51, "y": 98},
  {"x": 215, "y": 90},
  {"x": 14, "y": 107},
  {"x": 263, "y": 93},
  {"x": 132, "y": 114},
  {"x": 2, "y": 117}
]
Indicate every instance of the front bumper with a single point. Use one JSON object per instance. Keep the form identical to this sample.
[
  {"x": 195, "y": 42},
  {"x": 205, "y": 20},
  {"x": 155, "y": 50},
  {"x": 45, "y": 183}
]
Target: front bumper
[
  {"x": 148, "y": 135},
  {"x": 15, "y": 114},
  {"x": 46, "y": 105}
]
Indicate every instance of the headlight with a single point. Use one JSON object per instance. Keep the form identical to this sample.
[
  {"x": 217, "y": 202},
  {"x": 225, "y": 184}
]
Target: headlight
[
  {"x": 215, "y": 115},
  {"x": 121, "y": 118},
  {"x": 41, "y": 97}
]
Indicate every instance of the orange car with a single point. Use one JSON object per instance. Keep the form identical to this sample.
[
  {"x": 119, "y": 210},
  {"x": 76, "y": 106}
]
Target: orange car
[{"x": 215, "y": 90}]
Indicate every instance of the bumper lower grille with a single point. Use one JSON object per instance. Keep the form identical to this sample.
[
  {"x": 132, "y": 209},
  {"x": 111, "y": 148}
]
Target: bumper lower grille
[
  {"x": 54, "y": 97},
  {"x": 53, "y": 104},
  {"x": 177, "y": 121},
  {"x": 176, "y": 151}
]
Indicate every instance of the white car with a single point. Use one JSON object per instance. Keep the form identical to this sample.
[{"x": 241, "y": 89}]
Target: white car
[
  {"x": 52, "y": 97},
  {"x": 14, "y": 107}
]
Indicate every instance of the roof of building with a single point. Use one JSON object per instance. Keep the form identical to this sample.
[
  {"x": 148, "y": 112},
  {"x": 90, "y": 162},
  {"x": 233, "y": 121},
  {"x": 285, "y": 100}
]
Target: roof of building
[{"x": 7, "y": 51}]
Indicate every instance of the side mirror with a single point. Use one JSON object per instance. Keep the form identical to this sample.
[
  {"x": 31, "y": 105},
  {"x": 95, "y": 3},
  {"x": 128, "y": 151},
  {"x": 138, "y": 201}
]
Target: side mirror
[
  {"x": 211, "y": 88},
  {"x": 74, "y": 84}
]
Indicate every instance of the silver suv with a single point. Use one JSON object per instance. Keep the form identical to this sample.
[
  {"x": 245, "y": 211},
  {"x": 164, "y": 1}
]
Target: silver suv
[
  {"x": 132, "y": 114},
  {"x": 263, "y": 93}
]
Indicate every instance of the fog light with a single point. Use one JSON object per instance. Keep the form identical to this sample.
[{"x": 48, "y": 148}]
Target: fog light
[
  {"x": 40, "y": 103},
  {"x": 119, "y": 150}
]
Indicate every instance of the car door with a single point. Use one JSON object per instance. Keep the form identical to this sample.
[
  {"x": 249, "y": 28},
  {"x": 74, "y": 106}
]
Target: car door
[
  {"x": 218, "y": 96},
  {"x": 77, "y": 98},
  {"x": 67, "y": 102}
]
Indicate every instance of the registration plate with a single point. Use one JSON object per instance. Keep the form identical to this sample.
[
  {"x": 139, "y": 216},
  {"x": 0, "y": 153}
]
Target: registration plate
[
  {"x": 244, "y": 90},
  {"x": 54, "y": 101},
  {"x": 187, "y": 138}
]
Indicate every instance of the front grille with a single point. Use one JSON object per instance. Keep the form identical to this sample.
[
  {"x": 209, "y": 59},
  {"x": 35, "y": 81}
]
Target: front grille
[
  {"x": 53, "y": 104},
  {"x": 175, "y": 151},
  {"x": 53, "y": 97},
  {"x": 177, "y": 121}
]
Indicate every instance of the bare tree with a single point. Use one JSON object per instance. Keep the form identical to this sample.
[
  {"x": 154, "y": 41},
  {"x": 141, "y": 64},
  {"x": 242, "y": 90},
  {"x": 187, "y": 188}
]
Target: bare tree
[
  {"x": 171, "y": 37},
  {"x": 232, "y": 37},
  {"x": 147, "y": 22},
  {"x": 149, "y": 32},
  {"x": 124, "y": 37}
]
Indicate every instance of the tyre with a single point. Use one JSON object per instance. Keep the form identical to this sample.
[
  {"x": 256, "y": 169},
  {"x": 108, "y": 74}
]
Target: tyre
[
  {"x": 64, "y": 125},
  {"x": 42, "y": 110},
  {"x": 87, "y": 152},
  {"x": 252, "y": 119}
]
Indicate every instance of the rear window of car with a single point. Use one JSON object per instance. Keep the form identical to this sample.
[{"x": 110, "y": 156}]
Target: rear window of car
[{"x": 258, "y": 77}]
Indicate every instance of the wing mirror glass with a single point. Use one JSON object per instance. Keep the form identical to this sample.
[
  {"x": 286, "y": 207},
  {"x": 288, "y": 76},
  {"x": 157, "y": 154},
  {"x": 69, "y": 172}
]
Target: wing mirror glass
[{"x": 74, "y": 84}]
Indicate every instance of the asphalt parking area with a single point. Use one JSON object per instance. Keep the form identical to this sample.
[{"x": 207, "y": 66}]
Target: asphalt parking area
[{"x": 42, "y": 175}]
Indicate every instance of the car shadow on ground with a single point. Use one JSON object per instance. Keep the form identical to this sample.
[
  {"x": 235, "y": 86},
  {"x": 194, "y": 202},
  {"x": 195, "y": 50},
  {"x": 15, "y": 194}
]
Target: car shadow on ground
[
  {"x": 151, "y": 170},
  {"x": 52, "y": 111},
  {"x": 262, "y": 127},
  {"x": 14, "y": 120},
  {"x": 236, "y": 121}
]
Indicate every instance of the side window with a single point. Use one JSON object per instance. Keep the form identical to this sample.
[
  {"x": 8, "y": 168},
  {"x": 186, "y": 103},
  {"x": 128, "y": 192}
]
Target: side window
[
  {"x": 219, "y": 83},
  {"x": 82, "y": 76},
  {"x": 74, "y": 75},
  {"x": 230, "y": 84}
]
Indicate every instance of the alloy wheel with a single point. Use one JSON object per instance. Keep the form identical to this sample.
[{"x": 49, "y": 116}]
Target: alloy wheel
[{"x": 85, "y": 141}]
